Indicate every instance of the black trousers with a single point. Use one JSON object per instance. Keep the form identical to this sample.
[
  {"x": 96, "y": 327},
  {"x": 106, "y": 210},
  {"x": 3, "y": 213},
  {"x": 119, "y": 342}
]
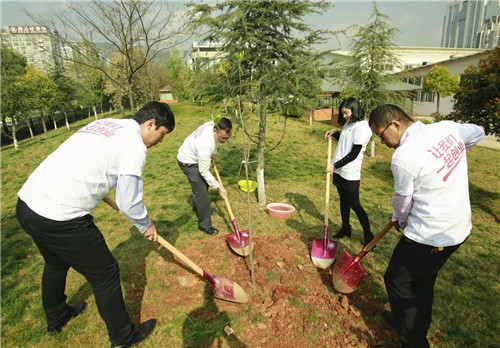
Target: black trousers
[
  {"x": 409, "y": 281},
  {"x": 201, "y": 200},
  {"x": 349, "y": 199},
  {"x": 79, "y": 244}
]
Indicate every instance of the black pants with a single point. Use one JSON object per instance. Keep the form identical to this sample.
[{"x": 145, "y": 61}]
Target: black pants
[
  {"x": 409, "y": 281},
  {"x": 79, "y": 244},
  {"x": 201, "y": 201},
  {"x": 349, "y": 199}
]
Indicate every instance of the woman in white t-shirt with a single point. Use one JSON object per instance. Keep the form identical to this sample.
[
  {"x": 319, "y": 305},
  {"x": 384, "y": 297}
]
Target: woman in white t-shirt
[{"x": 346, "y": 164}]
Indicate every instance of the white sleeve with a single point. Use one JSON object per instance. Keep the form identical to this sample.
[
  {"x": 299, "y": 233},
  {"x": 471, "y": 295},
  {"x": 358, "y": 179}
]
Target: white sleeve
[
  {"x": 204, "y": 168},
  {"x": 471, "y": 134},
  {"x": 403, "y": 181},
  {"x": 402, "y": 206},
  {"x": 129, "y": 190}
]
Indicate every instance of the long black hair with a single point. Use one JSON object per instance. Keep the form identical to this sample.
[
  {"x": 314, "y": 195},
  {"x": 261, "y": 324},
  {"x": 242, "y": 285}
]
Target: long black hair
[{"x": 358, "y": 114}]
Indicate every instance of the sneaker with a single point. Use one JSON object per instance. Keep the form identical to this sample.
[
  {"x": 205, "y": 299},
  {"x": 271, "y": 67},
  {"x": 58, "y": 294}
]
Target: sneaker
[
  {"x": 76, "y": 310},
  {"x": 140, "y": 333},
  {"x": 345, "y": 231}
]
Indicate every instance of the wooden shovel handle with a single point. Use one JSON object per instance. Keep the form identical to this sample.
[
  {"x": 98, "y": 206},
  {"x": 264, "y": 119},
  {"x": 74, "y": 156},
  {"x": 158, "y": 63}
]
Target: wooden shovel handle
[
  {"x": 180, "y": 255},
  {"x": 374, "y": 241},
  {"x": 163, "y": 242},
  {"x": 327, "y": 197},
  {"x": 231, "y": 215}
]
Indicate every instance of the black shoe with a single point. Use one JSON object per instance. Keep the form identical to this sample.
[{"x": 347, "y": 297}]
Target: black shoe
[
  {"x": 211, "y": 231},
  {"x": 76, "y": 310},
  {"x": 368, "y": 239},
  {"x": 140, "y": 333},
  {"x": 389, "y": 318},
  {"x": 345, "y": 231}
]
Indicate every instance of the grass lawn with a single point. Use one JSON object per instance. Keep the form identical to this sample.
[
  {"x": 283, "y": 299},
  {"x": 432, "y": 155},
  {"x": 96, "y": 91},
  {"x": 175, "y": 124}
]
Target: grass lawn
[{"x": 466, "y": 307}]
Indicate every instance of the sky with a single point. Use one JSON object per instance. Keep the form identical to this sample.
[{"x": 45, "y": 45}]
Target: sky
[{"x": 420, "y": 21}]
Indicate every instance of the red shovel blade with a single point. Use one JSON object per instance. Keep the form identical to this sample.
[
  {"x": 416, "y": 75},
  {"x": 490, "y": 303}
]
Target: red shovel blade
[
  {"x": 240, "y": 244},
  {"x": 347, "y": 274}
]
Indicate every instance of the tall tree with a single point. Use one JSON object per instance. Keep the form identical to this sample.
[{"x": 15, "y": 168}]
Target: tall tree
[
  {"x": 65, "y": 92},
  {"x": 264, "y": 44},
  {"x": 477, "y": 99},
  {"x": 366, "y": 73},
  {"x": 179, "y": 76},
  {"x": 124, "y": 26},
  {"x": 13, "y": 67},
  {"x": 440, "y": 81},
  {"x": 38, "y": 92}
]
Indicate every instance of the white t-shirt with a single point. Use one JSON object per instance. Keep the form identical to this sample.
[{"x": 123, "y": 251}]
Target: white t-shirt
[
  {"x": 356, "y": 133},
  {"x": 198, "y": 148},
  {"x": 430, "y": 165},
  {"x": 79, "y": 174}
]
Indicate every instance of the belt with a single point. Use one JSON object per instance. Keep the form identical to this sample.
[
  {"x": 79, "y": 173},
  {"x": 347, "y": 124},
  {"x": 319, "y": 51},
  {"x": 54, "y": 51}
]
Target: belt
[{"x": 187, "y": 165}]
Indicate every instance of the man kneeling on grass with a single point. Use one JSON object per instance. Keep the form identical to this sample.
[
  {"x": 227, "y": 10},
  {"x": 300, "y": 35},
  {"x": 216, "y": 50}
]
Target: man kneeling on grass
[
  {"x": 431, "y": 204},
  {"x": 54, "y": 208}
]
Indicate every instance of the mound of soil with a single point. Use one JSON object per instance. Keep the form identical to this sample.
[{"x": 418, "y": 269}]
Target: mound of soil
[{"x": 292, "y": 304}]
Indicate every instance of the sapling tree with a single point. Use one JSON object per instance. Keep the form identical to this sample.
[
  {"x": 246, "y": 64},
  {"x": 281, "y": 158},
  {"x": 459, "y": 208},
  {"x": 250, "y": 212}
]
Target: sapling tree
[{"x": 265, "y": 45}]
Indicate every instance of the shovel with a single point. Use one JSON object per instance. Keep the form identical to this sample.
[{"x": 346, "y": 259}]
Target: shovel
[
  {"x": 224, "y": 289},
  {"x": 238, "y": 241},
  {"x": 348, "y": 272},
  {"x": 323, "y": 251}
]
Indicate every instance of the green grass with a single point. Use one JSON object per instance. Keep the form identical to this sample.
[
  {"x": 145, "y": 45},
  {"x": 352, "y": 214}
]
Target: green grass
[{"x": 466, "y": 310}]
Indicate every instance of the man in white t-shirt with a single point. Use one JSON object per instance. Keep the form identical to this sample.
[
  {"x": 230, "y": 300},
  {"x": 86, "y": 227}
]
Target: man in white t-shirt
[
  {"x": 54, "y": 208},
  {"x": 431, "y": 204},
  {"x": 194, "y": 158}
]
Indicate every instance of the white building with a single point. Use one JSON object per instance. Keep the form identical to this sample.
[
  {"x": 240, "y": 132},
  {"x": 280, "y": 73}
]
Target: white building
[
  {"x": 425, "y": 103},
  {"x": 202, "y": 54},
  {"x": 417, "y": 61},
  {"x": 33, "y": 42}
]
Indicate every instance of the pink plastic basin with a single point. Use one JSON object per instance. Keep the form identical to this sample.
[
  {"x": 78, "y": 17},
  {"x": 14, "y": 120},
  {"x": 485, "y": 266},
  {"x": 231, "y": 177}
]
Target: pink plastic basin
[{"x": 280, "y": 210}]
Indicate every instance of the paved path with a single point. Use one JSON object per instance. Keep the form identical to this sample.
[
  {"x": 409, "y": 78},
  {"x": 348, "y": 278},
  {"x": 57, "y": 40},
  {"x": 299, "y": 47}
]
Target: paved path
[{"x": 490, "y": 141}]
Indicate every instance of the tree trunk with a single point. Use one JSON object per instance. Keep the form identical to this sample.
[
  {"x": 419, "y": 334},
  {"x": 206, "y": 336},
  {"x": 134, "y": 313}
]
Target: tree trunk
[
  {"x": 311, "y": 117},
  {"x": 95, "y": 111},
  {"x": 261, "y": 143},
  {"x": 372, "y": 148},
  {"x": 66, "y": 120},
  {"x": 44, "y": 125},
  {"x": 438, "y": 97},
  {"x": 55, "y": 123},
  {"x": 16, "y": 145},
  {"x": 131, "y": 97},
  {"x": 30, "y": 127}
]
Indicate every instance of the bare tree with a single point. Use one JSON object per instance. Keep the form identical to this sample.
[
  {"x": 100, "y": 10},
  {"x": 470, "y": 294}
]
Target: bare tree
[{"x": 116, "y": 26}]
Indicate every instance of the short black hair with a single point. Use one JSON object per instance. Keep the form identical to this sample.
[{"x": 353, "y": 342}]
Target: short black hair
[
  {"x": 224, "y": 124},
  {"x": 358, "y": 114},
  {"x": 384, "y": 114},
  {"x": 158, "y": 111}
]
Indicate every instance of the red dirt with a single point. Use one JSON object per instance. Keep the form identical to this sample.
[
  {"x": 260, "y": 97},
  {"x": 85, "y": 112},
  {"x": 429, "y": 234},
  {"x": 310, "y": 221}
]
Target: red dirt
[{"x": 293, "y": 303}]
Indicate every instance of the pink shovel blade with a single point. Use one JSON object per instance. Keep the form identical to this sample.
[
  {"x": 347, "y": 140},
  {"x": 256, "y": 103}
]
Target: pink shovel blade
[
  {"x": 235, "y": 241},
  {"x": 323, "y": 257},
  {"x": 346, "y": 274}
]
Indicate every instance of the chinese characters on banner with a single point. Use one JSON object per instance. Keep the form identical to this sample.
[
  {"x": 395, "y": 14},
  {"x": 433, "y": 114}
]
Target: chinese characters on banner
[
  {"x": 27, "y": 29},
  {"x": 450, "y": 151}
]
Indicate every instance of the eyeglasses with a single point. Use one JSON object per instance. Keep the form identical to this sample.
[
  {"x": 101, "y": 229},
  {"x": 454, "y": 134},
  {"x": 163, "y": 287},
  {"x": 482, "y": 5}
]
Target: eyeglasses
[{"x": 380, "y": 136}]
